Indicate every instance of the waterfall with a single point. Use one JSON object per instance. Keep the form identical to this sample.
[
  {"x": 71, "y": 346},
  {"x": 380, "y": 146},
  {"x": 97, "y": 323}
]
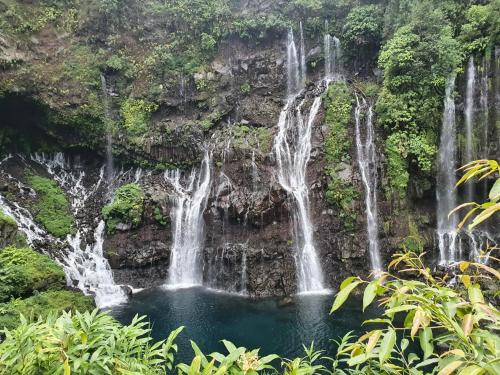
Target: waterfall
[
  {"x": 190, "y": 202},
  {"x": 483, "y": 101},
  {"x": 292, "y": 149},
  {"x": 445, "y": 190},
  {"x": 469, "y": 123},
  {"x": 109, "y": 133},
  {"x": 244, "y": 276},
  {"x": 84, "y": 264},
  {"x": 367, "y": 161},
  {"x": 333, "y": 54},
  {"x": 303, "y": 72},
  {"x": 295, "y": 69}
]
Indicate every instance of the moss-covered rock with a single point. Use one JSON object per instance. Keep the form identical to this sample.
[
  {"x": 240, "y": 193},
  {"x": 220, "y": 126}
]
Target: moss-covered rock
[
  {"x": 126, "y": 208},
  {"x": 340, "y": 192},
  {"x": 9, "y": 233},
  {"x": 52, "y": 209},
  {"x": 24, "y": 271},
  {"x": 42, "y": 304}
]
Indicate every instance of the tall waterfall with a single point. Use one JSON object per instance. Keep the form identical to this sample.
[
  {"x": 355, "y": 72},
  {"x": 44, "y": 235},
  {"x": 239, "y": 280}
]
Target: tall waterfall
[
  {"x": 109, "y": 134},
  {"x": 367, "y": 161},
  {"x": 84, "y": 263},
  {"x": 445, "y": 190},
  {"x": 292, "y": 148},
  {"x": 188, "y": 224},
  {"x": 469, "y": 123}
]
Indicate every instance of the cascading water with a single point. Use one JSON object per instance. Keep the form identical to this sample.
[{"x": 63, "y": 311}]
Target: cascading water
[
  {"x": 292, "y": 148},
  {"x": 469, "y": 123},
  {"x": 445, "y": 190},
  {"x": 190, "y": 201},
  {"x": 367, "y": 162},
  {"x": 109, "y": 134},
  {"x": 333, "y": 54},
  {"x": 87, "y": 267},
  {"x": 296, "y": 69},
  {"x": 303, "y": 72}
]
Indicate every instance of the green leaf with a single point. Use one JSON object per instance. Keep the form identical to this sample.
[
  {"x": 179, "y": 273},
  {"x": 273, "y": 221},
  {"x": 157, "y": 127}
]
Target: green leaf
[
  {"x": 495, "y": 191},
  {"x": 471, "y": 370},
  {"x": 475, "y": 295},
  {"x": 348, "y": 281},
  {"x": 387, "y": 345},
  {"x": 369, "y": 294},
  {"x": 425, "y": 338},
  {"x": 343, "y": 294}
]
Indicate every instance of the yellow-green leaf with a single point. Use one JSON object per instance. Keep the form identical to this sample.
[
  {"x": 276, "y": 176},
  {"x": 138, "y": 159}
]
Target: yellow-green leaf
[
  {"x": 343, "y": 294},
  {"x": 369, "y": 294},
  {"x": 471, "y": 370},
  {"x": 467, "y": 324},
  {"x": 387, "y": 345},
  {"x": 448, "y": 369}
]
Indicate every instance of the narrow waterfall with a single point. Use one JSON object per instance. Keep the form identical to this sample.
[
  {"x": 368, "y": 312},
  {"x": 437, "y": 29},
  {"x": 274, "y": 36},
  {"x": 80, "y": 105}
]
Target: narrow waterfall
[
  {"x": 295, "y": 67},
  {"x": 469, "y": 123},
  {"x": 84, "y": 263},
  {"x": 445, "y": 187},
  {"x": 303, "y": 72},
  {"x": 109, "y": 134},
  {"x": 367, "y": 162},
  {"x": 188, "y": 225},
  {"x": 484, "y": 106},
  {"x": 333, "y": 54}
]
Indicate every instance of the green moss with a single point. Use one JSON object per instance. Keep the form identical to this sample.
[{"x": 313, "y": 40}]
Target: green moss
[
  {"x": 252, "y": 138},
  {"x": 340, "y": 193},
  {"x": 136, "y": 115},
  {"x": 127, "y": 207},
  {"x": 338, "y": 105},
  {"x": 42, "y": 304},
  {"x": 23, "y": 271},
  {"x": 52, "y": 208},
  {"x": 159, "y": 216},
  {"x": 6, "y": 220}
]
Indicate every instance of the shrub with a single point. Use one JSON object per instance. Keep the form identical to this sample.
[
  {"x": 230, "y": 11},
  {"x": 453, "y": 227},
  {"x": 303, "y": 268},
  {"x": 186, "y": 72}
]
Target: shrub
[
  {"x": 23, "y": 271},
  {"x": 127, "y": 207},
  {"x": 52, "y": 208},
  {"x": 455, "y": 331},
  {"x": 41, "y": 305},
  {"x": 136, "y": 114}
]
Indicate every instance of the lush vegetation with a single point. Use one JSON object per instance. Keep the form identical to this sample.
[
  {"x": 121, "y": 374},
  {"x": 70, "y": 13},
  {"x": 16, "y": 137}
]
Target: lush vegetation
[
  {"x": 126, "y": 208},
  {"x": 52, "y": 208},
  {"x": 33, "y": 285},
  {"x": 340, "y": 192},
  {"x": 23, "y": 271}
]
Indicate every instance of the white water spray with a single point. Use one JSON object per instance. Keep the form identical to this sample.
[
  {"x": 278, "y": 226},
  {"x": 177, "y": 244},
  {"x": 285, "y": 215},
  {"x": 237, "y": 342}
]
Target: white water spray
[
  {"x": 84, "y": 264},
  {"x": 188, "y": 225},
  {"x": 445, "y": 187},
  {"x": 469, "y": 124},
  {"x": 367, "y": 162}
]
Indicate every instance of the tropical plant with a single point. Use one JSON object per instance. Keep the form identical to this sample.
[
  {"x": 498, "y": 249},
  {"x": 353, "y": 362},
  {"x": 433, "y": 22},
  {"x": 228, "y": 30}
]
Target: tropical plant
[
  {"x": 85, "y": 343},
  {"x": 456, "y": 332},
  {"x": 239, "y": 360},
  {"x": 481, "y": 169}
]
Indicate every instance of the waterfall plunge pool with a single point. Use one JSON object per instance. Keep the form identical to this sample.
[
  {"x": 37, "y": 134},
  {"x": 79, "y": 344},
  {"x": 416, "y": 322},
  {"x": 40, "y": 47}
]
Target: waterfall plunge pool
[{"x": 210, "y": 316}]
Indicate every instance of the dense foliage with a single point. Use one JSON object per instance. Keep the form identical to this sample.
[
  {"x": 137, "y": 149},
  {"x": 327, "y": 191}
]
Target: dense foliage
[
  {"x": 340, "y": 192},
  {"x": 126, "y": 208},
  {"x": 52, "y": 208},
  {"x": 23, "y": 271}
]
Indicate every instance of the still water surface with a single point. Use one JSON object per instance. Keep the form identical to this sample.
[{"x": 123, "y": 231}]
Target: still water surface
[{"x": 210, "y": 316}]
